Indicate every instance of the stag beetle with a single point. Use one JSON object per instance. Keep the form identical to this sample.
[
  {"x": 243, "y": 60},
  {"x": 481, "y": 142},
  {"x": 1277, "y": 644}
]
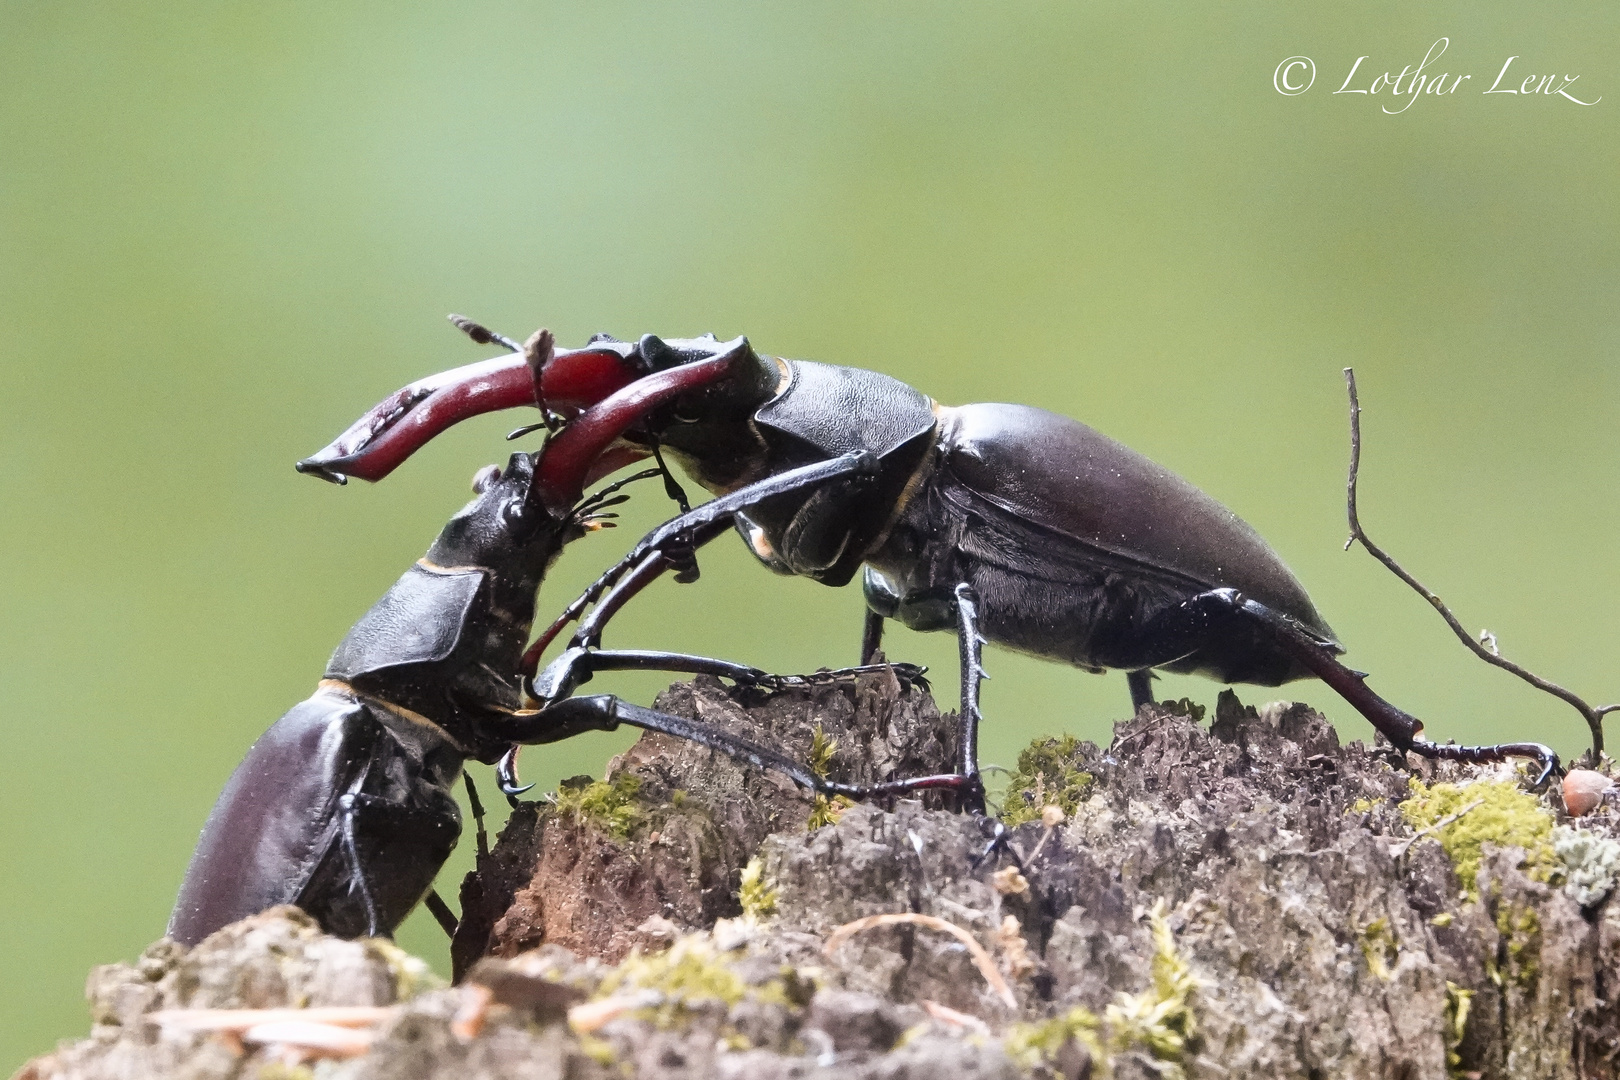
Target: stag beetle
[
  {"x": 1006, "y": 523},
  {"x": 344, "y": 805}
]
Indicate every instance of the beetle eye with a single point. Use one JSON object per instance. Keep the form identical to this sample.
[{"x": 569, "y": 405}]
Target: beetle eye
[{"x": 484, "y": 478}]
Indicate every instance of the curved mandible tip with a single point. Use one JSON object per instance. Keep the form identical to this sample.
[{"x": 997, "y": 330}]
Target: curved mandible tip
[{"x": 408, "y": 419}]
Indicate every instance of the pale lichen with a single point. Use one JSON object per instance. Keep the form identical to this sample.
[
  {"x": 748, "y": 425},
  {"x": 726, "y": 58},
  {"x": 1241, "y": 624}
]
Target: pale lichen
[
  {"x": 1591, "y": 863},
  {"x": 1504, "y": 815}
]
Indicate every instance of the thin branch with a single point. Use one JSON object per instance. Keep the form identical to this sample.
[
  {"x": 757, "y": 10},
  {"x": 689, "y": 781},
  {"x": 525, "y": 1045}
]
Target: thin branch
[
  {"x": 1406, "y": 845},
  {"x": 1592, "y": 716}
]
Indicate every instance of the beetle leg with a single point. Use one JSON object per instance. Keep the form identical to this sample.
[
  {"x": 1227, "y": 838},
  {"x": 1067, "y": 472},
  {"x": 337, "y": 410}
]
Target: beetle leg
[
  {"x": 349, "y": 804},
  {"x": 1141, "y": 684},
  {"x": 576, "y": 666},
  {"x": 506, "y": 776},
  {"x": 1401, "y": 728},
  {"x": 441, "y": 912},
  {"x": 477, "y": 806},
  {"x": 691, "y": 530},
  {"x": 970, "y": 649},
  {"x": 385, "y": 819},
  {"x": 604, "y": 712},
  {"x": 871, "y": 636}
]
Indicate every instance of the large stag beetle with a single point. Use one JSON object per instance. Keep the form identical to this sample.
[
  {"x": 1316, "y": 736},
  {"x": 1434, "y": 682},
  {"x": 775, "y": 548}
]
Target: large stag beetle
[
  {"x": 1006, "y": 523},
  {"x": 344, "y": 806}
]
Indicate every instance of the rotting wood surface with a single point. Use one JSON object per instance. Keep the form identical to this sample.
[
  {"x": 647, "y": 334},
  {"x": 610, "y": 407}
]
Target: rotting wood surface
[{"x": 1242, "y": 898}]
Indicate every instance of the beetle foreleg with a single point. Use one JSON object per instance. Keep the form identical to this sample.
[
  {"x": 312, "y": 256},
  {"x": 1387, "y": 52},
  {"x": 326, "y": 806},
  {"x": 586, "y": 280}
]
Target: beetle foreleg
[
  {"x": 576, "y": 666},
  {"x": 692, "y": 530}
]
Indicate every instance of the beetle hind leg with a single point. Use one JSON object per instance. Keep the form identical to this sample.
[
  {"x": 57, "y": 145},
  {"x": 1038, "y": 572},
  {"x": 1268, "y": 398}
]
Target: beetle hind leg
[
  {"x": 1141, "y": 684},
  {"x": 871, "y": 636},
  {"x": 1197, "y": 619},
  {"x": 349, "y": 805}
]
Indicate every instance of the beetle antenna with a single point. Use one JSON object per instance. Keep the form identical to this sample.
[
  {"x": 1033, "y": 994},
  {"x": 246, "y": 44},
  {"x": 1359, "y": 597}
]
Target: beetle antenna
[
  {"x": 537, "y": 351},
  {"x": 526, "y": 429},
  {"x": 599, "y": 500},
  {"x": 483, "y": 335}
]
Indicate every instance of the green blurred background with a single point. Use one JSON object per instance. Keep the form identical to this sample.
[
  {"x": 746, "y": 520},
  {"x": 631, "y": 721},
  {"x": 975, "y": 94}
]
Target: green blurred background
[{"x": 225, "y": 230}]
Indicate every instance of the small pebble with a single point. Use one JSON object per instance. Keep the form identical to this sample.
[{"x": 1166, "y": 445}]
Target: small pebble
[{"x": 1583, "y": 790}]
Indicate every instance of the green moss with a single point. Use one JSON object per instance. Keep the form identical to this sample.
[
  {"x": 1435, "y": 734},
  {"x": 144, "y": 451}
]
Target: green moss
[
  {"x": 1380, "y": 948},
  {"x": 1361, "y": 806},
  {"x": 1048, "y": 774},
  {"x": 756, "y": 895},
  {"x": 1458, "y": 1002},
  {"x": 826, "y": 810},
  {"x": 692, "y": 974},
  {"x": 277, "y": 1070},
  {"x": 610, "y": 806},
  {"x": 822, "y": 749},
  {"x": 1037, "y": 1045},
  {"x": 1159, "y": 1020},
  {"x": 1506, "y": 815},
  {"x": 1520, "y": 955},
  {"x": 412, "y": 975},
  {"x": 598, "y": 1050}
]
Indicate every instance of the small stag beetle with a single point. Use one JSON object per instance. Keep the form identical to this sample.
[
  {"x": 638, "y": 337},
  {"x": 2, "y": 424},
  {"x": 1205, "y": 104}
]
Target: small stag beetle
[
  {"x": 344, "y": 806},
  {"x": 1006, "y": 523}
]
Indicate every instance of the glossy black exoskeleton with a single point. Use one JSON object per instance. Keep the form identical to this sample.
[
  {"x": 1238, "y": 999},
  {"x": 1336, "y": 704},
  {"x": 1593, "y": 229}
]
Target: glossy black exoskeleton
[{"x": 1006, "y": 523}]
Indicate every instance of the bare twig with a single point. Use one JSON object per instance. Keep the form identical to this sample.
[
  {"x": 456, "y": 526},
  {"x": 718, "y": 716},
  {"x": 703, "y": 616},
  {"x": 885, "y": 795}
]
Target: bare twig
[
  {"x": 1486, "y": 652},
  {"x": 1406, "y": 845}
]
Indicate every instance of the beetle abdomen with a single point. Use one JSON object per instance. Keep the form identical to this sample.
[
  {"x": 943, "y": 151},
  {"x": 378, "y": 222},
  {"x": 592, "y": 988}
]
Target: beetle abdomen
[
  {"x": 1065, "y": 477},
  {"x": 275, "y": 820},
  {"x": 275, "y": 835}
]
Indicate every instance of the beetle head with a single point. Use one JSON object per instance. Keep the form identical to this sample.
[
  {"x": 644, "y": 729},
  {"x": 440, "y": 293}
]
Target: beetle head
[{"x": 505, "y": 528}]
